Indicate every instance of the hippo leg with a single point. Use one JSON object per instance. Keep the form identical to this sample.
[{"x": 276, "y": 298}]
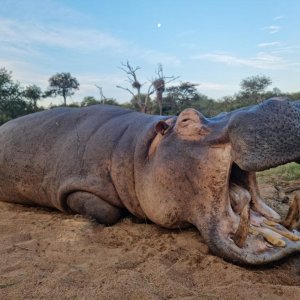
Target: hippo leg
[{"x": 89, "y": 205}]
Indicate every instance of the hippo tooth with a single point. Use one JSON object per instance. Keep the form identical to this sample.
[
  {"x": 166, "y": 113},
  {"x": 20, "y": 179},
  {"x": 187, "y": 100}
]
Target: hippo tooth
[
  {"x": 292, "y": 218},
  {"x": 239, "y": 196},
  {"x": 284, "y": 233},
  {"x": 269, "y": 235},
  {"x": 241, "y": 234},
  {"x": 253, "y": 231},
  {"x": 270, "y": 223}
]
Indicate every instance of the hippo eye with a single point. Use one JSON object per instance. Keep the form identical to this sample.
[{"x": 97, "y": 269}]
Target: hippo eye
[{"x": 185, "y": 120}]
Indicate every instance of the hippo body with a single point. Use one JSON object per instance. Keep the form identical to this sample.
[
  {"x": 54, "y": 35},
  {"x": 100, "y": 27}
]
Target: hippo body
[
  {"x": 101, "y": 160},
  {"x": 50, "y": 155}
]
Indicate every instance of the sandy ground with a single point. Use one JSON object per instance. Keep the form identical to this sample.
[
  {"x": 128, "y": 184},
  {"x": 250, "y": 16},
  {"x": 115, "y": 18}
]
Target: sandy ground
[{"x": 48, "y": 255}]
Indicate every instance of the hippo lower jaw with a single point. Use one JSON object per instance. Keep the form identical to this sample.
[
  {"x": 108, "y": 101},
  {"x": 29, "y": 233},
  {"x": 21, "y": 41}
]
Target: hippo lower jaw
[{"x": 250, "y": 232}]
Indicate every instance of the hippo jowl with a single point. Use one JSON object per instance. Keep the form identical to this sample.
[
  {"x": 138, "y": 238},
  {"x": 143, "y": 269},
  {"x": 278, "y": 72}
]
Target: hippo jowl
[{"x": 176, "y": 171}]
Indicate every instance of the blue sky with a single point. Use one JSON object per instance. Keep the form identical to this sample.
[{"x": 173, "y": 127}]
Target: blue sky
[{"x": 212, "y": 43}]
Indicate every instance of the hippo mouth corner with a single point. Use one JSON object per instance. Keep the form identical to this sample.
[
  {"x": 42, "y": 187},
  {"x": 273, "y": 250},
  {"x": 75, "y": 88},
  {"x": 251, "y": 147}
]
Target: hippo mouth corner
[{"x": 256, "y": 234}]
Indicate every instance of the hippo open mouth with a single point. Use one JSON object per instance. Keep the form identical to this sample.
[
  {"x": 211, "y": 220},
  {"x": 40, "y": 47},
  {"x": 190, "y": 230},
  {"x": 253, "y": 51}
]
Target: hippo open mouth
[
  {"x": 260, "y": 229},
  {"x": 256, "y": 234}
]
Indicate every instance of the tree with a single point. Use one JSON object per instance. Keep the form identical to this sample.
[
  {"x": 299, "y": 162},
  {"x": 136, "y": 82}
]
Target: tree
[
  {"x": 63, "y": 84},
  {"x": 179, "y": 97},
  {"x": 12, "y": 104},
  {"x": 276, "y": 92},
  {"x": 294, "y": 96},
  {"x": 254, "y": 87},
  {"x": 136, "y": 86},
  {"x": 89, "y": 100},
  {"x": 157, "y": 85},
  {"x": 133, "y": 104},
  {"x": 102, "y": 97},
  {"x": 33, "y": 93},
  {"x": 111, "y": 101}
]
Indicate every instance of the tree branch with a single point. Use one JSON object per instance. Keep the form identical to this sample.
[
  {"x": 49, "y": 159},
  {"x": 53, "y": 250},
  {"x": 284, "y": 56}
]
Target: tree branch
[{"x": 126, "y": 89}]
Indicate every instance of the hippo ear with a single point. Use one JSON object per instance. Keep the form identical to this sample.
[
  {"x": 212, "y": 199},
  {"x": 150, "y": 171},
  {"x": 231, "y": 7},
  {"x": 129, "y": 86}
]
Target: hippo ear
[
  {"x": 190, "y": 124},
  {"x": 162, "y": 127}
]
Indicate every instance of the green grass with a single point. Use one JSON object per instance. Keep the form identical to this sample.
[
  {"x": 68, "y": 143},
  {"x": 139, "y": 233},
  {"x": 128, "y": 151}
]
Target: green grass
[{"x": 286, "y": 172}]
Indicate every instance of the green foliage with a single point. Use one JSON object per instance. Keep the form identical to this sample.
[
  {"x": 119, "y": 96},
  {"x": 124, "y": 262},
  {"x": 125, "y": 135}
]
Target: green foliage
[
  {"x": 179, "y": 97},
  {"x": 62, "y": 84},
  {"x": 12, "y": 103},
  {"x": 16, "y": 101},
  {"x": 151, "y": 107},
  {"x": 89, "y": 100},
  {"x": 253, "y": 87},
  {"x": 110, "y": 101},
  {"x": 186, "y": 95},
  {"x": 33, "y": 93},
  {"x": 294, "y": 96}
]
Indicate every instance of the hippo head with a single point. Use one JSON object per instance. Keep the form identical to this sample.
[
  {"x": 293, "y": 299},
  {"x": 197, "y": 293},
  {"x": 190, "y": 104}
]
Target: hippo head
[{"x": 202, "y": 171}]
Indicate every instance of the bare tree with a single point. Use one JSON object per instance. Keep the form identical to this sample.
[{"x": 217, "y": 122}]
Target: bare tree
[
  {"x": 159, "y": 84},
  {"x": 102, "y": 97},
  {"x": 135, "y": 85},
  {"x": 155, "y": 85}
]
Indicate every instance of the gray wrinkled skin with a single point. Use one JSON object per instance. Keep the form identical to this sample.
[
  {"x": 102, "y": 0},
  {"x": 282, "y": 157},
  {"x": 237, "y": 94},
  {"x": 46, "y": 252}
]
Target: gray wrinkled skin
[{"x": 100, "y": 161}]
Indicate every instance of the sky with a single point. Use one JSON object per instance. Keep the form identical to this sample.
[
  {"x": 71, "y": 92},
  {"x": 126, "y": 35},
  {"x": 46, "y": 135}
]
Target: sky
[{"x": 214, "y": 44}]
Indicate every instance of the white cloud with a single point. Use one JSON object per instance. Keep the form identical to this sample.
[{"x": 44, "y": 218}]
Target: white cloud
[
  {"x": 28, "y": 40},
  {"x": 287, "y": 49},
  {"x": 262, "y": 60},
  {"x": 15, "y": 34},
  {"x": 272, "y": 29},
  {"x": 279, "y": 17},
  {"x": 25, "y": 72},
  {"x": 155, "y": 57},
  {"x": 262, "y": 45},
  {"x": 212, "y": 86}
]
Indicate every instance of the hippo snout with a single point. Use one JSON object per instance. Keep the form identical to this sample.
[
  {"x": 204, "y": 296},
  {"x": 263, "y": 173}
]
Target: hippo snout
[{"x": 266, "y": 135}]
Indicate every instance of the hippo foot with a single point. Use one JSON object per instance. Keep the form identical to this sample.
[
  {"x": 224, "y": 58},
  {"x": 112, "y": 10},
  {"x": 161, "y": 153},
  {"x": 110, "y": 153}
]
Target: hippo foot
[{"x": 89, "y": 205}]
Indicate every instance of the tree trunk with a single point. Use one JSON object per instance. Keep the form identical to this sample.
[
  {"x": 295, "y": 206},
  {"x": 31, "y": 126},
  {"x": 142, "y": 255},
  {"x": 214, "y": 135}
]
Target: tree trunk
[
  {"x": 65, "y": 99},
  {"x": 159, "y": 101}
]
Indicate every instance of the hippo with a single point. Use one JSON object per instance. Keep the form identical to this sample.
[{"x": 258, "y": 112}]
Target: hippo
[{"x": 176, "y": 171}]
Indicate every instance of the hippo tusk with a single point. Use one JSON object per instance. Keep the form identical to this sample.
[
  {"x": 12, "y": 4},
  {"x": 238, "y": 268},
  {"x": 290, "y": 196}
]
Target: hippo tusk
[
  {"x": 289, "y": 235},
  {"x": 241, "y": 234},
  {"x": 269, "y": 235},
  {"x": 292, "y": 218},
  {"x": 270, "y": 223}
]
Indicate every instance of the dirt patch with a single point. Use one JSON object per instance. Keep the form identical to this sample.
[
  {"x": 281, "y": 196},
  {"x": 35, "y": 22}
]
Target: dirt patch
[{"x": 49, "y": 255}]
